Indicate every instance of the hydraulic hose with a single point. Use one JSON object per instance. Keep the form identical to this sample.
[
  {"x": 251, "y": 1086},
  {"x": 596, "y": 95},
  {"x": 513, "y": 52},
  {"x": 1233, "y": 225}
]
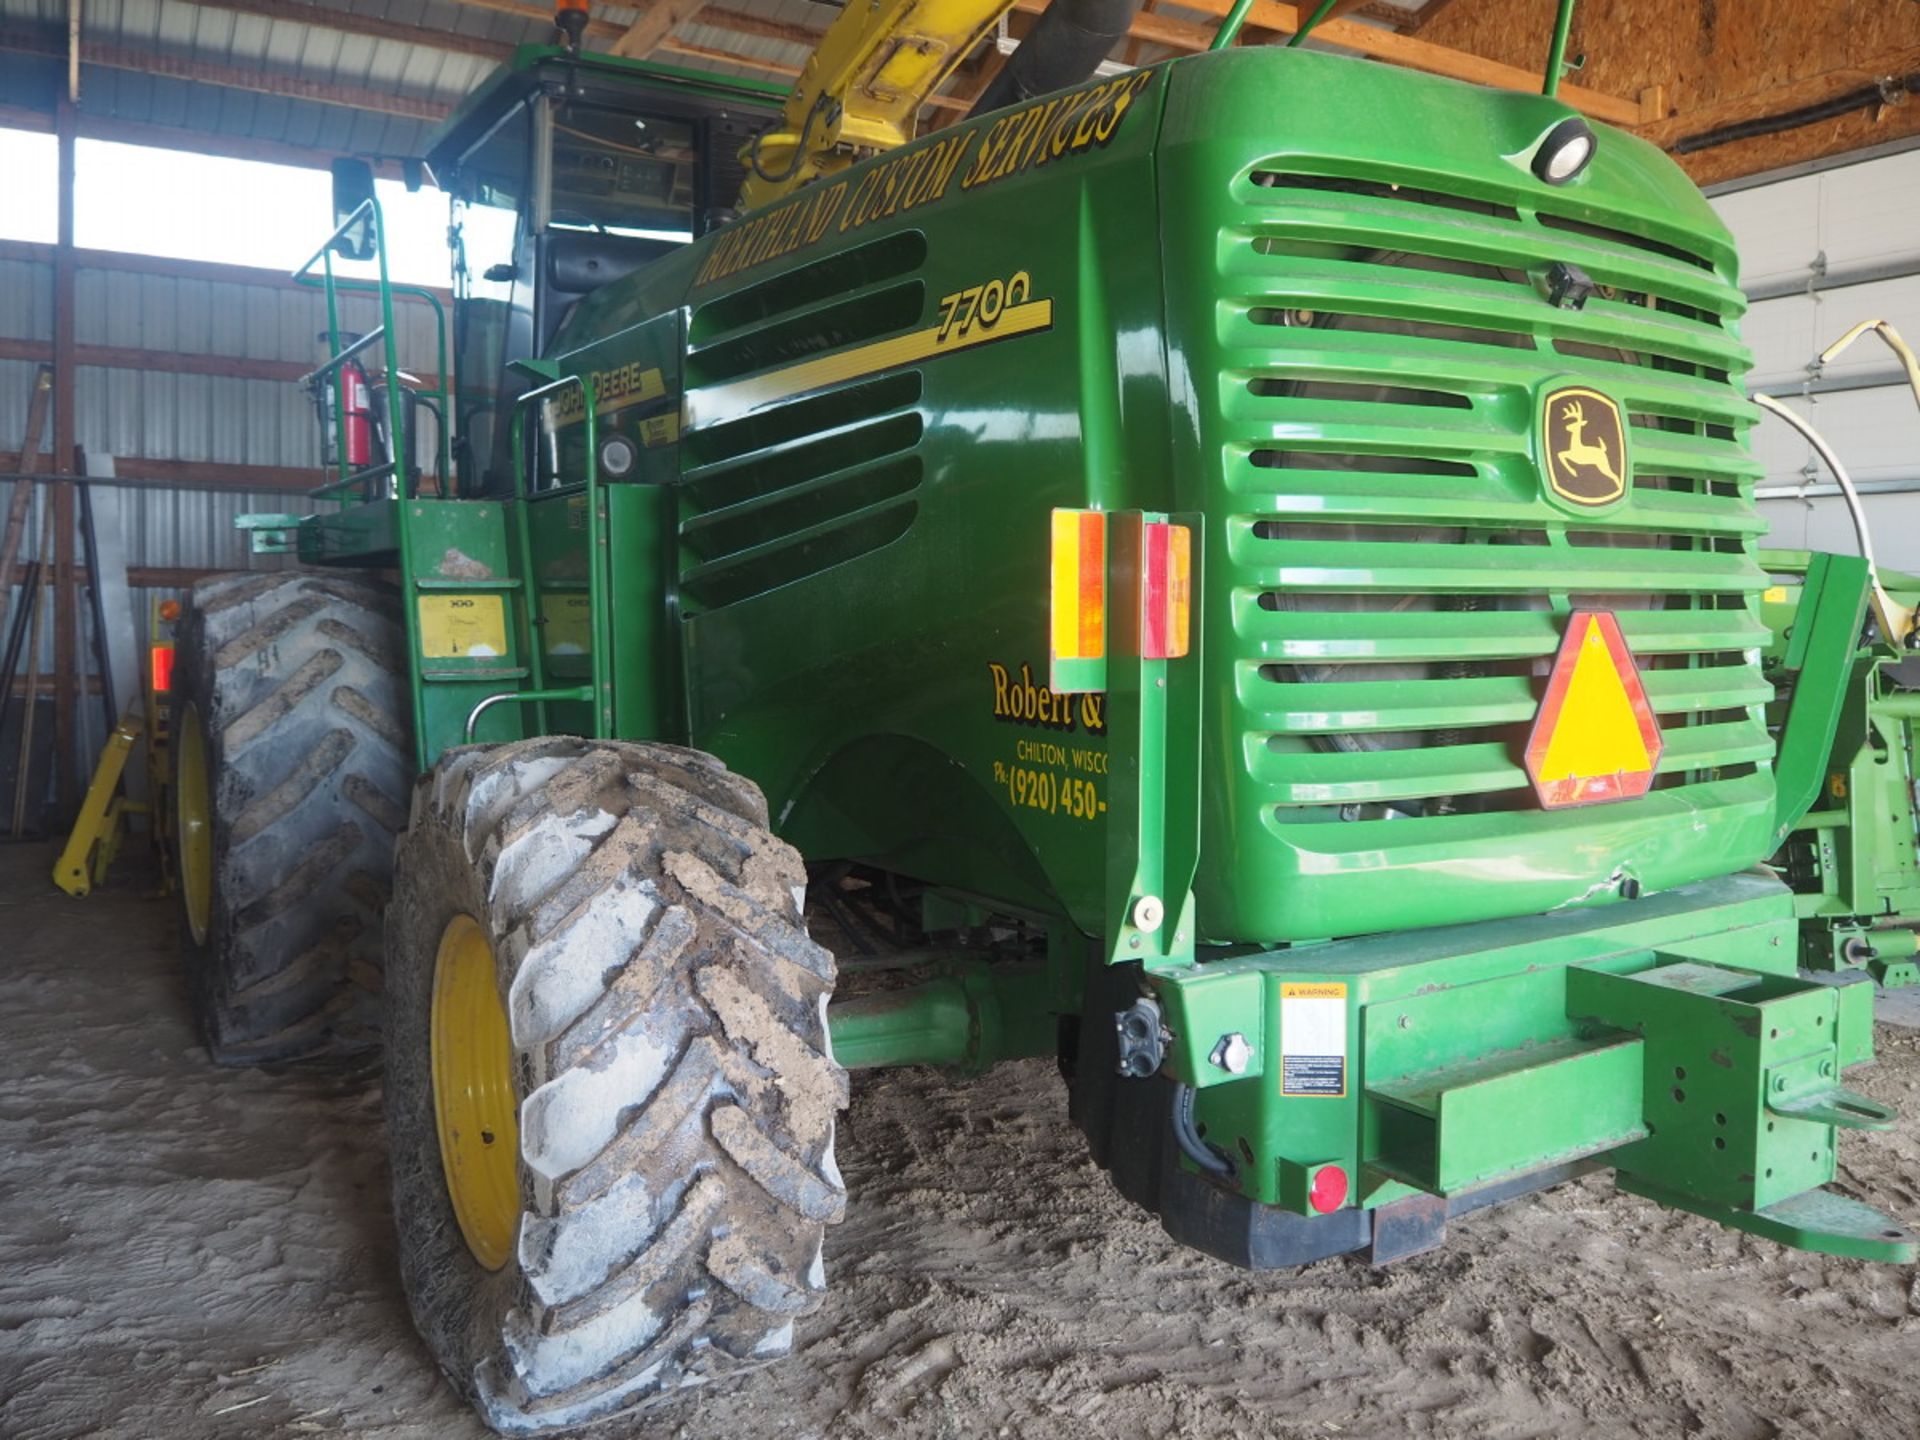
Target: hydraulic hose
[
  {"x": 1884, "y": 329},
  {"x": 1207, "y": 1157},
  {"x": 1065, "y": 47},
  {"x": 1887, "y": 92},
  {"x": 1896, "y": 621}
]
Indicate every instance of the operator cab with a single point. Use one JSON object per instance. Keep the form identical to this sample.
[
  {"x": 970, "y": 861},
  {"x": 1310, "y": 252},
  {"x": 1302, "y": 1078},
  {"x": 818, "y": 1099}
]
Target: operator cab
[{"x": 565, "y": 175}]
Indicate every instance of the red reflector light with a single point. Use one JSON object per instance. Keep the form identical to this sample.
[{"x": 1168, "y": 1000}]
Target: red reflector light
[
  {"x": 1166, "y": 590},
  {"x": 1329, "y": 1189},
  {"x": 161, "y": 659}
]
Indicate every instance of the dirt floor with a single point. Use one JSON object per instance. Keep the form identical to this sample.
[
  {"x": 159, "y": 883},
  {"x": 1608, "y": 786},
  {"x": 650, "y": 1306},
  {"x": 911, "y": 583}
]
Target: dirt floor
[{"x": 187, "y": 1252}]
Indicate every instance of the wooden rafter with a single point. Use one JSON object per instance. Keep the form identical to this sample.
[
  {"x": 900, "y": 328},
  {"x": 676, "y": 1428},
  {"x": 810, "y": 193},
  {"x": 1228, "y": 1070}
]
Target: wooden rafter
[
  {"x": 717, "y": 16},
  {"x": 1343, "y": 7},
  {"x": 1808, "y": 90},
  {"x": 1419, "y": 20},
  {"x": 199, "y": 474},
  {"x": 1382, "y": 45},
  {"x": 652, "y": 32},
  {"x": 969, "y": 88},
  {"x": 656, "y": 23},
  {"x": 175, "y": 362}
]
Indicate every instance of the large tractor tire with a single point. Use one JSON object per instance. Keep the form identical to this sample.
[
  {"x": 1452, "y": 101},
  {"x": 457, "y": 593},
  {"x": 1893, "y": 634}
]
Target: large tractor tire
[
  {"x": 293, "y": 756},
  {"x": 610, "y": 1090}
]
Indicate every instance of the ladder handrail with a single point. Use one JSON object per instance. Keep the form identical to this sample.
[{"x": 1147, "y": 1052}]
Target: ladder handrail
[
  {"x": 598, "y": 618},
  {"x": 399, "y": 441}
]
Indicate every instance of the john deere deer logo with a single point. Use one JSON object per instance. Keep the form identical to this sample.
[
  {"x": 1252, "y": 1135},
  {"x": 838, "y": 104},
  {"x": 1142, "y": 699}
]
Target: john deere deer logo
[{"x": 1585, "y": 446}]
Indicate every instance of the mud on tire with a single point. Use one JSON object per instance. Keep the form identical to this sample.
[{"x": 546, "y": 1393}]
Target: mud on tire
[
  {"x": 297, "y": 683},
  {"x": 674, "y": 1080}
]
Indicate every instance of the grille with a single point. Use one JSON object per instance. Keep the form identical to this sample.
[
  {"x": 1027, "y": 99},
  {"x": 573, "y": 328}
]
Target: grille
[
  {"x": 1399, "y": 582},
  {"x": 775, "y": 492}
]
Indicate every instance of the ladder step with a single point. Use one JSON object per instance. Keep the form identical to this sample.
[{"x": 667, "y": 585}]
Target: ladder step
[
  {"x": 509, "y": 583},
  {"x": 502, "y": 672}
]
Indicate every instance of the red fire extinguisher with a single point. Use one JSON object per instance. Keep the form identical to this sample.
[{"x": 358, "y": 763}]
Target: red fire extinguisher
[
  {"x": 356, "y": 423},
  {"x": 357, "y": 415}
]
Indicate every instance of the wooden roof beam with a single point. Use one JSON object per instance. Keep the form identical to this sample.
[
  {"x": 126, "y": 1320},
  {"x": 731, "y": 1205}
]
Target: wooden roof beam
[
  {"x": 1418, "y": 21},
  {"x": 1381, "y": 45},
  {"x": 1389, "y": 45},
  {"x": 658, "y": 21},
  {"x": 719, "y": 17},
  {"x": 1795, "y": 95}
]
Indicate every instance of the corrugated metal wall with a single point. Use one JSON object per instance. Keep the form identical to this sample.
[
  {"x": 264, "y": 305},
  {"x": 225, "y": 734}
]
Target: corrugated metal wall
[
  {"x": 204, "y": 417},
  {"x": 185, "y": 528},
  {"x": 186, "y": 417},
  {"x": 157, "y": 414},
  {"x": 1798, "y": 232}
]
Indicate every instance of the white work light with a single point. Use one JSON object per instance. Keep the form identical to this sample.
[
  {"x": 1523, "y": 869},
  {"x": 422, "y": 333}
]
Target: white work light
[{"x": 1565, "y": 152}]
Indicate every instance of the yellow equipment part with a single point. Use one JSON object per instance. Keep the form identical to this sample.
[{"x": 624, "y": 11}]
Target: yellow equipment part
[
  {"x": 862, "y": 89},
  {"x": 193, "y": 825},
  {"x": 101, "y": 824},
  {"x": 473, "y": 1102}
]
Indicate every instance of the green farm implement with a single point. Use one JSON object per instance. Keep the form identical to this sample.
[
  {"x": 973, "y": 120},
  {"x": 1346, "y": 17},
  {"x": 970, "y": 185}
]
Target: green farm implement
[
  {"x": 1852, "y": 852},
  {"x": 1260, "y": 548}
]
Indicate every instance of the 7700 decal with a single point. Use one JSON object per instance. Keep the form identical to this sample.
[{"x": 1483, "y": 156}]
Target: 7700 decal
[
  {"x": 979, "y": 315},
  {"x": 981, "y": 305}
]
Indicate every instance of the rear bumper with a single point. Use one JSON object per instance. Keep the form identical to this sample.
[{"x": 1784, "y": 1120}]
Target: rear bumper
[{"x": 1669, "y": 1039}]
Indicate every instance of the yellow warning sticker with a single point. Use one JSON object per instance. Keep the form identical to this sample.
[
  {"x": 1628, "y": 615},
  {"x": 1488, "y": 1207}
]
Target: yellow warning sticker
[
  {"x": 1774, "y": 595},
  {"x": 1313, "y": 1038},
  {"x": 660, "y": 429},
  {"x": 567, "y": 631},
  {"x": 463, "y": 627}
]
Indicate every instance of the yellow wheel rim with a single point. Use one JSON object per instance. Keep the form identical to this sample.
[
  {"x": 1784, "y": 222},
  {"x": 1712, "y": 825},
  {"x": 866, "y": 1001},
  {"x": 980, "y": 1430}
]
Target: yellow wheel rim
[
  {"x": 473, "y": 1102},
  {"x": 193, "y": 823}
]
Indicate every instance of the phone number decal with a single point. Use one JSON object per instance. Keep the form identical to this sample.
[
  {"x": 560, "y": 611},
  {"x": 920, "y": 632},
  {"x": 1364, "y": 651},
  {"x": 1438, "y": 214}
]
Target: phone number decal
[{"x": 1045, "y": 791}]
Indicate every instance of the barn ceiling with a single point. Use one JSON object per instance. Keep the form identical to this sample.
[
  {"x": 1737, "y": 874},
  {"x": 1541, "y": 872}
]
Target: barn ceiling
[{"x": 287, "y": 78}]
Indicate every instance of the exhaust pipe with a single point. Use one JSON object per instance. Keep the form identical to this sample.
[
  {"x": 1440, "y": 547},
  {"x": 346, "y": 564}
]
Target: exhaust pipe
[{"x": 1065, "y": 47}]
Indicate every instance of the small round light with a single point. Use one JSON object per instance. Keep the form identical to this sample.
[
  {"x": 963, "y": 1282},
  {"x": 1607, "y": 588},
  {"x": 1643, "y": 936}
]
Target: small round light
[
  {"x": 1329, "y": 1189},
  {"x": 617, "y": 456},
  {"x": 1567, "y": 150}
]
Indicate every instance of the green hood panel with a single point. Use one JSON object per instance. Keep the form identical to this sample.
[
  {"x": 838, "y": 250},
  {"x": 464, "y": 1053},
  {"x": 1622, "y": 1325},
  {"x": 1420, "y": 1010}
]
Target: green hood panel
[{"x": 1304, "y": 299}]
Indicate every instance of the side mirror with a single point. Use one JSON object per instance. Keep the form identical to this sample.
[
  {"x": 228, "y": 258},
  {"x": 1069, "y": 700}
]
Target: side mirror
[{"x": 352, "y": 188}]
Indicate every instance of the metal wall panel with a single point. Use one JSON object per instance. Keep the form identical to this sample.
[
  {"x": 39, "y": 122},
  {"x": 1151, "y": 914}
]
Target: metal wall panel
[
  {"x": 268, "y": 321},
  {"x": 26, "y": 300},
  {"x": 161, "y": 527},
  {"x": 172, "y": 416},
  {"x": 1807, "y": 230},
  {"x": 16, "y": 393},
  {"x": 173, "y": 528}
]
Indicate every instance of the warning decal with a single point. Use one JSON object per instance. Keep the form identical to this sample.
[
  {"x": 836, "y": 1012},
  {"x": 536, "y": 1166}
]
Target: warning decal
[
  {"x": 1313, "y": 1038},
  {"x": 462, "y": 627}
]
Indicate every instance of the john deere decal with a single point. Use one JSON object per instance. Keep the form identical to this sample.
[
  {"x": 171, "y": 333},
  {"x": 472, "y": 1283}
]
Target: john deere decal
[{"x": 1584, "y": 445}]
